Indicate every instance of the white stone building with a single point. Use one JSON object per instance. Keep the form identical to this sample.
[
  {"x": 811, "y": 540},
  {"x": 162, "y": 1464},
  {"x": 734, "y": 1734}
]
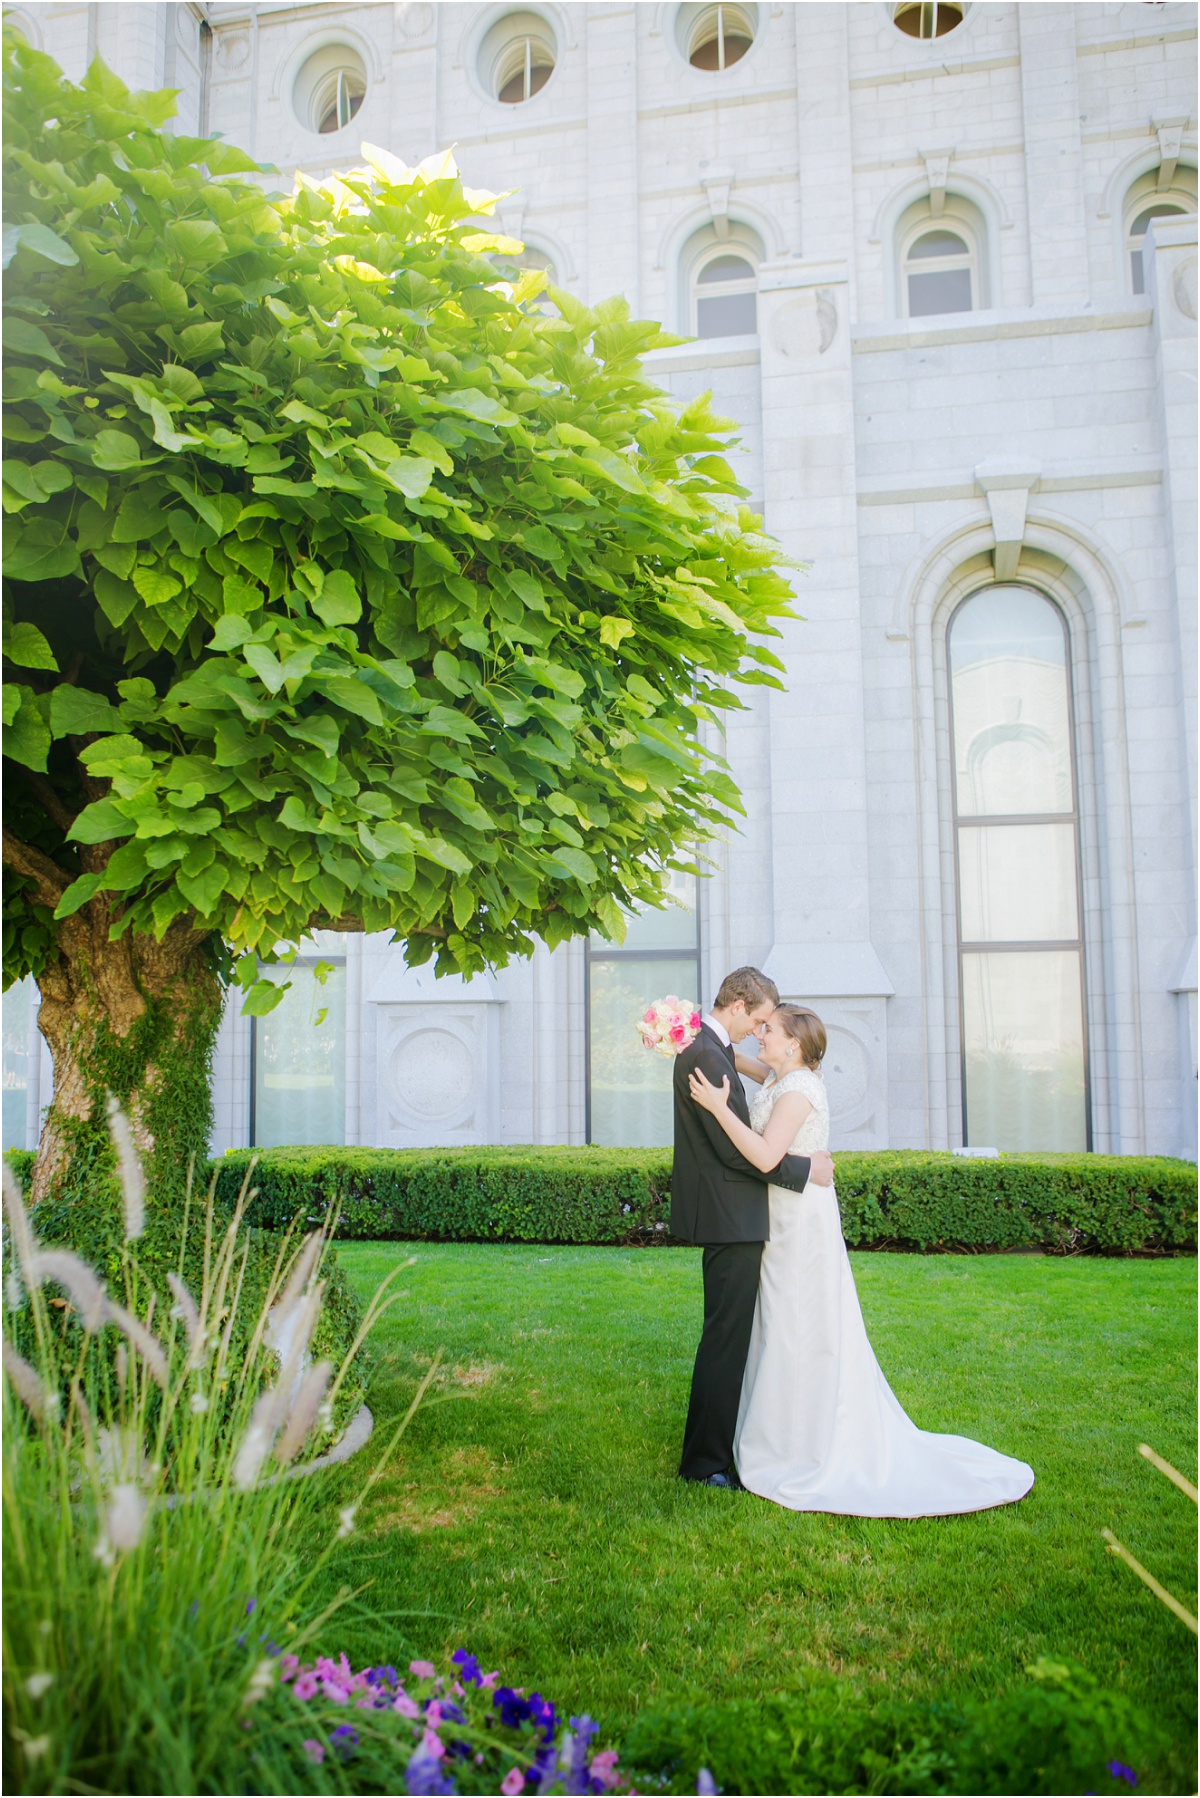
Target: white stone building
[{"x": 939, "y": 262}]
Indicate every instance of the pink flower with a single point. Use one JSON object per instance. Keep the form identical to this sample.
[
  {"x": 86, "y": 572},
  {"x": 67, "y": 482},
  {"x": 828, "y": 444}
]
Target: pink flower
[
  {"x": 314, "y": 1751},
  {"x": 513, "y": 1781},
  {"x": 307, "y": 1686},
  {"x": 489, "y": 1680},
  {"x": 404, "y": 1704},
  {"x": 433, "y": 1715},
  {"x": 604, "y": 1768},
  {"x": 432, "y": 1745},
  {"x": 650, "y": 1017},
  {"x": 289, "y": 1666},
  {"x": 422, "y": 1669},
  {"x": 339, "y": 1669},
  {"x": 335, "y": 1690},
  {"x": 677, "y": 1034},
  {"x": 695, "y": 1021}
]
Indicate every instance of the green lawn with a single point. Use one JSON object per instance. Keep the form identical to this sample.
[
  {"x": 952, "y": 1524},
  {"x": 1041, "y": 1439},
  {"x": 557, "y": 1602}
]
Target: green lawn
[{"x": 538, "y": 1520}]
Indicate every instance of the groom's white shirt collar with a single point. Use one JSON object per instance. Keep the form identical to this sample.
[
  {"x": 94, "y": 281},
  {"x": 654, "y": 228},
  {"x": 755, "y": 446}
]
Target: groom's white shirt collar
[{"x": 717, "y": 1029}]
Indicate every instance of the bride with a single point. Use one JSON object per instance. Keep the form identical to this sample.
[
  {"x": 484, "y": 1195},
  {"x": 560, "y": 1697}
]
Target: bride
[{"x": 819, "y": 1428}]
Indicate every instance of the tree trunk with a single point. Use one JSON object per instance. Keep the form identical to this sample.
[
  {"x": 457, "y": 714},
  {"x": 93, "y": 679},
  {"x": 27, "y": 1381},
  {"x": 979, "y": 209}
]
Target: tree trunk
[{"x": 136, "y": 1019}]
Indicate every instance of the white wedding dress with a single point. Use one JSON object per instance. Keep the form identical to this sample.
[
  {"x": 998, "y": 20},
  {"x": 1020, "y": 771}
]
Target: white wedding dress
[{"x": 819, "y": 1428}]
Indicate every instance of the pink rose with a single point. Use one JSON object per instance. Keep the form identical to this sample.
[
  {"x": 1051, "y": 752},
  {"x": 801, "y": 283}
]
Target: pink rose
[
  {"x": 314, "y": 1751},
  {"x": 513, "y": 1781},
  {"x": 677, "y": 1034},
  {"x": 422, "y": 1669},
  {"x": 695, "y": 1020},
  {"x": 649, "y": 1018}
]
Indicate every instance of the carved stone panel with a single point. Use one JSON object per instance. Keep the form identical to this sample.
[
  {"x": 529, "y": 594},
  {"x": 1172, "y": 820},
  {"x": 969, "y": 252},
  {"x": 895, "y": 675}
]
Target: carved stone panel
[{"x": 435, "y": 1071}]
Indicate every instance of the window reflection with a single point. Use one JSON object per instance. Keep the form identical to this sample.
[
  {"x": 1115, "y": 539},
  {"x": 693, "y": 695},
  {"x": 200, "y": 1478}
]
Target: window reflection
[
  {"x": 300, "y": 1050},
  {"x": 20, "y": 1047},
  {"x": 1023, "y": 1050},
  {"x": 629, "y": 1090},
  {"x": 1017, "y": 848}
]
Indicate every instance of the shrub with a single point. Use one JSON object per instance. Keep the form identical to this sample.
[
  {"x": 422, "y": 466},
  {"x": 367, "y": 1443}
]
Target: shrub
[
  {"x": 895, "y": 1199},
  {"x": 1057, "y": 1733}
]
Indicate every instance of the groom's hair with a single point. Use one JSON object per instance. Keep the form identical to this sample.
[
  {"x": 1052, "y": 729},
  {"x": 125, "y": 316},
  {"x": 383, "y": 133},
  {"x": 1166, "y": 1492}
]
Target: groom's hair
[{"x": 750, "y": 984}]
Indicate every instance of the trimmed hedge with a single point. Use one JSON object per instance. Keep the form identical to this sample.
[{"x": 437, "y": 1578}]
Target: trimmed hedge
[{"x": 907, "y": 1199}]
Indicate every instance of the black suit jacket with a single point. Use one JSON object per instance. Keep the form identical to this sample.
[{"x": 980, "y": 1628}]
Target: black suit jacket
[{"x": 716, "y": 1194}]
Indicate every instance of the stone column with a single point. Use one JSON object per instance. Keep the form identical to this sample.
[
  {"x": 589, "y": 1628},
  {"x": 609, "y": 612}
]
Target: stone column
[
  {"x": 1170, "y": 259},
  {"x": 1053, "y": 154},
  {"x": 612, "y": 145}
]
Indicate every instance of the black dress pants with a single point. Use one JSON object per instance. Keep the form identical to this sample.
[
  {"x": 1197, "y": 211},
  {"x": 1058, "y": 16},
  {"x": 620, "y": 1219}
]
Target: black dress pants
[{"x": 730, "y": 1291}]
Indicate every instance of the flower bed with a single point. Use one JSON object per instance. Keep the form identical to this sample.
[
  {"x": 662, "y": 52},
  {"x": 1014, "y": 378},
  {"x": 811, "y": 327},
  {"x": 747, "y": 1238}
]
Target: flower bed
[{"x": 895, "y": 1199}]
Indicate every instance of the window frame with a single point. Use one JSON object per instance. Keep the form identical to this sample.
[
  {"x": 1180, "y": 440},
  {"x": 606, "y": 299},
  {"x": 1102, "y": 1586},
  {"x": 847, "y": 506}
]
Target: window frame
[
  {"x": 611, "y": 952},
  {"x": 304, "y": 959},
  {"x": 958, "y": 227},
  {"x": 721, "y": 289},
  {"x": 960, "y": 820},
  {"x": 961, "y": 7},
  {"x": 1180, "y": 208}
]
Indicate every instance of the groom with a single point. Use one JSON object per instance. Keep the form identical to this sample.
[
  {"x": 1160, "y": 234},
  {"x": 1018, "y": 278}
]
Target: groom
[{"x": 719, "y": 1199}]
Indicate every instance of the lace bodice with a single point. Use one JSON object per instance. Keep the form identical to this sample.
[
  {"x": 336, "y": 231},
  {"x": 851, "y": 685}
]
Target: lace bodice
[{"x": 814, "y": 1131}]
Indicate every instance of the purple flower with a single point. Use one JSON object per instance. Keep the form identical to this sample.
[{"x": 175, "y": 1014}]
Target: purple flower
[
  {"x": 512, "y": 1707},
  {"x": 240, "y": 1641},
  {"x": 345, "y": 1741},
  {"x": 468, "y": 1667},
  {"x": 250, "y": 1604},
  {"x": 575, "y": 1766},
  {"x": 194, "y": 1609},
  {"x": 1119, "y": 1770},
  {"x": 424, "y": 1775},
  {"x": 706, "y": 1785}
]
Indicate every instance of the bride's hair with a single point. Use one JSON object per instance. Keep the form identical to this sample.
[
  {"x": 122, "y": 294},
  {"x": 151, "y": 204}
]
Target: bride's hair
[{"x": 806, "y": 1029}]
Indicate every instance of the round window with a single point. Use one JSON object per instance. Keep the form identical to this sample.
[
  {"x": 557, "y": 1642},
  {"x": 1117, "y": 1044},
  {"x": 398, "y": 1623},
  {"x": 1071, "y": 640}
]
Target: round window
[
  {"x": 329, "y": 89},
  {"x": 927, "y": 18},
  {"x": 715, "y": 37},
  {"x": 517, "y": 58}
]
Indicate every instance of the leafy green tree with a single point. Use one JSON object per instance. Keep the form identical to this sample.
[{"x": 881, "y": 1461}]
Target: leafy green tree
[{"x": 343, "y": 587}]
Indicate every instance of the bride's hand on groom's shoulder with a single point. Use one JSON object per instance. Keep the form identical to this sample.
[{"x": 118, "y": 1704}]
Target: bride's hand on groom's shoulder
[{"x": 712, "y": 1098}]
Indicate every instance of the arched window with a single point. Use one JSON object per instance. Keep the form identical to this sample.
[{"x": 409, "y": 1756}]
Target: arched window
[
  {"x": 939, "y": 272},
  {"x": 517, "y": 57},
  {"x": 329, "y": 89},
  {"x": 1016, "y": 828},
  {"x": 725, "y": 296},
  {"x": 1137, "y": 237},
  {"x": 715, "y": 37},
  {"x": 927, "y": 18}
]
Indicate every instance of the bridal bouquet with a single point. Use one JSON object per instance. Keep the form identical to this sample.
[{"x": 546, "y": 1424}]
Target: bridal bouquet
[{"x": 669, "y": 1026}]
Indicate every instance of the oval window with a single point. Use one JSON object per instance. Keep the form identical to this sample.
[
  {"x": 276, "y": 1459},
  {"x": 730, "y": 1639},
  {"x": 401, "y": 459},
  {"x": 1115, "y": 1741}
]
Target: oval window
[
  {"x": 517, "y": 58},
  {"x": 330, "y": 89},
  {"x": 927, "y": 18},
  {"x": 718, "y": 36}
]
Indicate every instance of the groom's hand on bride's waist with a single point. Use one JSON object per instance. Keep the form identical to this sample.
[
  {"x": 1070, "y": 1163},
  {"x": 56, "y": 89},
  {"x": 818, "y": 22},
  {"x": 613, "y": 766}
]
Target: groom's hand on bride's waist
[{"x": 821, "y": 1172}]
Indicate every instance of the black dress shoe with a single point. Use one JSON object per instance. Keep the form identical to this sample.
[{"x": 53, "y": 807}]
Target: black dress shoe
[{"x": 728, "y": 1479}]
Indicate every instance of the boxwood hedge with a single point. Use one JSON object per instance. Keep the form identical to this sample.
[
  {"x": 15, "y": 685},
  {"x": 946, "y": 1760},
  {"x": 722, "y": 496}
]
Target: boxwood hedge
[{"x": 893, "y": 1199}]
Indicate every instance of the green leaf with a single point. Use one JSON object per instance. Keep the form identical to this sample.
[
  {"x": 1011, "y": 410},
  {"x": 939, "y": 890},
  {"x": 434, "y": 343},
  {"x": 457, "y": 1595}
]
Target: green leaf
[
  {"x": 241, "y": 595},
  {"x": 263, "y": 997},
  {"x": 205, "y": 889},
  {"x": 40, "y": 552},
  {"x": 100, "y": 822},
  {"x": 76, "y": 712},
  {"x": 27, "y": 734},
  {"x": 25, "y": 645},
  {"x": 117, "y": 598},
  {"x": 231, "y": 632},
  {"x": 445, "y": 855},
  {"x": 139, "y": 517},
  {"x": 576, "y": 862},
  {"x": 78, "y": 894},
  {"x": 21, "y": 338},
  {"x": 352, "y": 696},
  {"x": 339, "y": 602},
  {"x": 116, "y": 451},
  {"x": 613, "y": 631},
  {"x": 154, "y": 586},
  {"x": 45, "y": 242}
]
